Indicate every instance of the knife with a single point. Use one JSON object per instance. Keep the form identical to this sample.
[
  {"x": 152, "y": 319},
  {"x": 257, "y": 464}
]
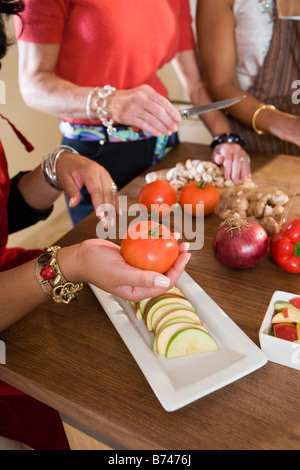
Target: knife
[{"x": 207, "y": 108}]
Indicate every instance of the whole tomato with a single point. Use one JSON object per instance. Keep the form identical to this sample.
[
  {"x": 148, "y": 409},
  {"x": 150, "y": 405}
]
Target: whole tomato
[
  {"x": 151, "y": 246},
  {"x": 285, "y": 247},
  {"x": 196, "y": 193},
  {"x": 158, "y": 193}
]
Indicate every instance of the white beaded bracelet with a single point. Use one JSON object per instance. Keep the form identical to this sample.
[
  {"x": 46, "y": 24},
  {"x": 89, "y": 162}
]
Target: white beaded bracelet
[{"x": 101, "y": 103}]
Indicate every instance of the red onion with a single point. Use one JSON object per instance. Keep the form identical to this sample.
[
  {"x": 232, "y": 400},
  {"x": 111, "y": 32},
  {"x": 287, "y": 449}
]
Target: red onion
[{"x": 240, "y": 244}]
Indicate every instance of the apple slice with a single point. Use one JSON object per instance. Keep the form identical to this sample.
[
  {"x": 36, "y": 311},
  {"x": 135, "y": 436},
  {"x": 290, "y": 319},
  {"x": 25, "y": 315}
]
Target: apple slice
[
  {"x": 141, "y": 305},
  {"x": 190, "y": 340},
  {"x": 172, "y": 321},
  {"x": 187, "y": 314},
  {"x": 279, "y": 306},
  {"x": 288, "y": 315},
  {"x": 298, "y": 331},
  {"x": 154, "y": 300},
  {"x": 166, "y": 334},
  {"x": 286, "y": 331},
  {"x": 165, "y": 306},
  {"x": 295, "y": 302},
  {"x": 140, "y": 308}
]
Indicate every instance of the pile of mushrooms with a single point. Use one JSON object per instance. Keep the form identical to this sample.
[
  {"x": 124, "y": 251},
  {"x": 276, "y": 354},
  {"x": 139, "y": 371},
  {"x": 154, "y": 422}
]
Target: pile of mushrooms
[
  {"x": 267, "y": 207},
  {"x": 197, "y": 170}
]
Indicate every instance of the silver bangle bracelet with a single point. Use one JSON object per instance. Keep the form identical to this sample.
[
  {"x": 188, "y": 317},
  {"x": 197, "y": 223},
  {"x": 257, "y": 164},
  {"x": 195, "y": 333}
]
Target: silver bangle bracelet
[
  {"x": 49, "y": 164},
  {"x": 101, "y": 103}
]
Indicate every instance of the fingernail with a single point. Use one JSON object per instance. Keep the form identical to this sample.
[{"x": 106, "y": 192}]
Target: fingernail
[
  {"x": 101, "y": 214},
  {"x": 185, "y": 246},
  {"x": 99, "y": 211},
  {"x": 72, "y": 202},
  {"x": 161, "y": 281},
  {"x": 188, "y": 258}
]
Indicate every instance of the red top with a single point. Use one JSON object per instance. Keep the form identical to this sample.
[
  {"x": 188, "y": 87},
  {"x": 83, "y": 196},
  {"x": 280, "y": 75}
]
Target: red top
[
  {"x": 120, "y": 43},
  {"x": 10, "y": 257},
  {"x": 23, "y": 418}
]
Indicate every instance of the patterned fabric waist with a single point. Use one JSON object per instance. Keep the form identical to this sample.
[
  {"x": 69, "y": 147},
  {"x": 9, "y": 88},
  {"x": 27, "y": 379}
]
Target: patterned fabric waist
[{"x": 123, "y": 134}]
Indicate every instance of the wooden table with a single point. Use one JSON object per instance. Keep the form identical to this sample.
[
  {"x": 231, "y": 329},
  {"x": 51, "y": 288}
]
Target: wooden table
[{"x": 73, "y": 359}]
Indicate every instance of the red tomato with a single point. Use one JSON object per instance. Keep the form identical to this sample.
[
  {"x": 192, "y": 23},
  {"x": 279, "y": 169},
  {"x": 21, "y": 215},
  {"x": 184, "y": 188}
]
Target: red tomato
[
  {"x": 157, "y": 193},
  {"x": 196, "y": 193},
  {"x": 151, "y": 246}
]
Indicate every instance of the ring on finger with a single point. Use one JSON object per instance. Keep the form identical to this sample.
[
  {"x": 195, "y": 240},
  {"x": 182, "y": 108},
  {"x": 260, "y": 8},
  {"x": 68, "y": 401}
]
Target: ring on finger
[
  {"x": 246, "y": 159},
  {"x": 114, "y": 187}
]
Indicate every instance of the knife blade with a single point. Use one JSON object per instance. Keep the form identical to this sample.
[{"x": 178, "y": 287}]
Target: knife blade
[{"x": 207, "y": 108}]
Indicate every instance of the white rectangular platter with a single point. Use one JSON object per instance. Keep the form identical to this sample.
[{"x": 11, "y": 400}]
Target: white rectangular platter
[{"x": 179, "y": 381}]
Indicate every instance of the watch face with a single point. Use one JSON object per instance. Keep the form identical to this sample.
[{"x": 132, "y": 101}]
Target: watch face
[{"x": 288, "y": 9}]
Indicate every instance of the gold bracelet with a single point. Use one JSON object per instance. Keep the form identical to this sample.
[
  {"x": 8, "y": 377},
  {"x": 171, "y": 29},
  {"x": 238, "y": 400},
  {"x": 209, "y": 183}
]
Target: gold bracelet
[
  {"x": 259, "y": 109},
  {"x": 51, "y": 279}
]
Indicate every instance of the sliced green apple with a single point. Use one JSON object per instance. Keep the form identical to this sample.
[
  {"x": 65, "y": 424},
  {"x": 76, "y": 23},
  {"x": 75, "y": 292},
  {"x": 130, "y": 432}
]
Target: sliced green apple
[
  {"x": 166, "y": 334},
  {"x": 172, "y": 321},
  {"x": 165, "y": 306},
  {"x": 279, "y": 306},
  {"x": 190, "y": 340},
  {"x": 138, "y": 314},
  {"x": 154, "y": 300},
  {"x": 140, "y": 308},
  {"x": 187, "y": 314},
  {"x": 141, "y": 305},
  {"x": 288, "y": 315}
]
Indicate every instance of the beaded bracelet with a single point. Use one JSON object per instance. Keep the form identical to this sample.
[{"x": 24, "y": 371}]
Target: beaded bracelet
[
  {"x": 51, "y": 279},
  {"x": 228, "y": 138},
  {"x": 101, "y": 103},
  {"x": 49, "y": 164}
]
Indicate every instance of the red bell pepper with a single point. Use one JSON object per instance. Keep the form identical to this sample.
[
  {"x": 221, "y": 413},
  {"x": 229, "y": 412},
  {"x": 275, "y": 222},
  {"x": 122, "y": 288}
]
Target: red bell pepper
[{"x": 285, "y": 247}]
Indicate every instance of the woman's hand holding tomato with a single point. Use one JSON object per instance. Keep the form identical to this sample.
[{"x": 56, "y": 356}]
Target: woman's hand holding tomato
[
  {"x": 99, "y": 262},
  {"x": 150, "y": 246},
  {"x": 196, "y": 193},
  {"x": 158, "y": 193}
]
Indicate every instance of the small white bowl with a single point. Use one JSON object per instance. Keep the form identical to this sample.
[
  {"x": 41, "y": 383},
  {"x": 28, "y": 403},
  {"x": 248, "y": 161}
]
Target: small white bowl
[{"x": 276, "y": 349}]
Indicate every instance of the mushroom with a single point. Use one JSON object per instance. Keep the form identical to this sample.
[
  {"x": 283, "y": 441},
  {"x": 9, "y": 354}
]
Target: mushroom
[
  {"x": 219, "y": 181},
  {"x": 259, "y": 208},
  {"x": 278, "y": 213},
  {"x": 228, "y": 183},
  {"x": 232, "y": 214},
  {"x": 251, "y": 207},
  {"x": 238, "y": 202},
  {"x": 270, "y": 225},
  {"x": 279, "y": 198}
]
